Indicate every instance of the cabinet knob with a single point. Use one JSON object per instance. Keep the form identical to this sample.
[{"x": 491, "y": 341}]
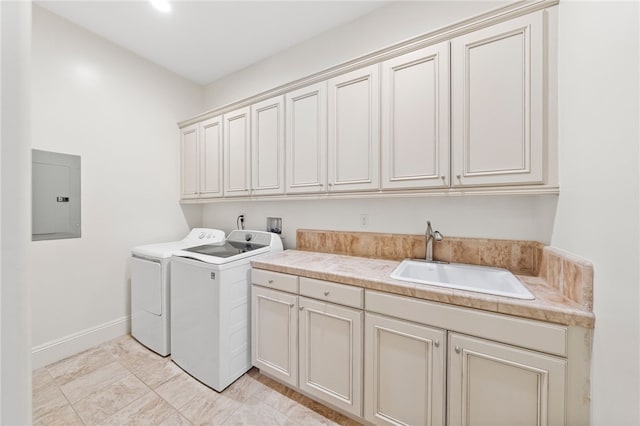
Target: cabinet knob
[
  {"x": 443, "y": 178},
  {"x": 457, "y": 349},
  {"x": 270, "y": 281},
  {"x": 326, "y": 293},
  {"x": 459, "y": 177},
  {"x": 291, "y": 305},
  {"x": 436, "y": 343},
  {"x": 301, "y": 307}
]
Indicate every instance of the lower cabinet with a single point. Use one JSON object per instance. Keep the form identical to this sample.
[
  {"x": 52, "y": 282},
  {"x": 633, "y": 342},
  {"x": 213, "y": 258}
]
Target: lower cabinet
[
  {"x": 274, "y": 333},
  {"x": 310, "y": 344},
  {"x": 403, "y": 361},
  {"x": 404, "y": 377},
  {"x": 331, "y": 353},
  {"x": 496, "y": 384}
]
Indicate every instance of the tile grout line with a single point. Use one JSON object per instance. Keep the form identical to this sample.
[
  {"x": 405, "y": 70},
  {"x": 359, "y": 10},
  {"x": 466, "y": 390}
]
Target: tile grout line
[
  {"x": 64, "y": 395},
  {"x": 152, "y": 390},
  {"x": 102, "y": 388},
  {"x": 149, "y": 390}
]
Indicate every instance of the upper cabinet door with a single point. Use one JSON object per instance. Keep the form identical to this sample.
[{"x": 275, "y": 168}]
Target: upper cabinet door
[
  {"x": 306, "y": 143},
  {"x": 237, "y": 153},
  {"x": 211, "y": 157},
  {"x": 267, "y": 141},
  {"x": 189, "y": 161},
  {"x": 497, "y": 104},
  {"x": 354, "y": 138},
  {"x": 415, "y": 119}
]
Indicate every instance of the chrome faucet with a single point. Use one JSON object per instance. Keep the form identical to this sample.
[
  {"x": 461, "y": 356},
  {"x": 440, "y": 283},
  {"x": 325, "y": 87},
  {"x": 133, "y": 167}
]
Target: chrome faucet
[{"x": 431, "y": 235}]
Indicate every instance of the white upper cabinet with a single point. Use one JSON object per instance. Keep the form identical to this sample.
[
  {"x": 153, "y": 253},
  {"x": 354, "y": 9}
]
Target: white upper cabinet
[
  {"x": 201, "y": 159},
  {"x": 306, "y": 142},
  {"x": 211, "y": 157},
  {"x": 267, "y": 146},
  {"x": 237, "y": 153},
  {"x": 497, "y": 104},
  {"x": 189, "y": 161},
  {"x": 474, "y": 113},
  {"x": 415, "y": 119},
  {"x": 354, "y": 138}
]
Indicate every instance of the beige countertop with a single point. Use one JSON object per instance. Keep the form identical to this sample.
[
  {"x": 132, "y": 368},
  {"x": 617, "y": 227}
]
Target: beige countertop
[{"x": 548, "y": 305}]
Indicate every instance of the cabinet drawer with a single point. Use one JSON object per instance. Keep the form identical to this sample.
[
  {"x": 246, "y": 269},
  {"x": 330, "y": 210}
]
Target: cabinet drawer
[
  {"x": 332, "y": 292},
  {"x": 275, "y": 280}
]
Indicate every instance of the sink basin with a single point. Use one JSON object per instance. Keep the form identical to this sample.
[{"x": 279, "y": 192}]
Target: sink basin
[{"x": 481, "y": 279}]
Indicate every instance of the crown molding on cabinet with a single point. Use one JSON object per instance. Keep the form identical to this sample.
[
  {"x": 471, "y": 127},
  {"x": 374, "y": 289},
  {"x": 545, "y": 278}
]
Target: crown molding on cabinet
[{"x": 445, "y": 33}]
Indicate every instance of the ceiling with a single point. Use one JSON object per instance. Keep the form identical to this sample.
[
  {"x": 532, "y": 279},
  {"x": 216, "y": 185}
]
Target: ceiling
[{"x": 206, "y": 40}]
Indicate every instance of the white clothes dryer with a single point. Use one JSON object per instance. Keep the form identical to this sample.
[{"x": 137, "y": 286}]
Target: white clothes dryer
[
  {"x": 211, "y": 306},
  {"x": 150, "y": 288}
]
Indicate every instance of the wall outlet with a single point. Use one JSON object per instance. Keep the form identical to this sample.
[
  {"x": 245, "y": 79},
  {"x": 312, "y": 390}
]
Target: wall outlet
[{"x": 364, "y": 220}]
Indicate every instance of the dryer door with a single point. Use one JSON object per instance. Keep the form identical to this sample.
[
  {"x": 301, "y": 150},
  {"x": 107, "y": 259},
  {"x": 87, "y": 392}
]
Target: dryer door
[{"x": 146, "y": 285}]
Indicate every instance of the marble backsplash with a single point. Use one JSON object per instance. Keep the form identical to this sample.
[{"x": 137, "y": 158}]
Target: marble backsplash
[{"x": 570, "y": 275}]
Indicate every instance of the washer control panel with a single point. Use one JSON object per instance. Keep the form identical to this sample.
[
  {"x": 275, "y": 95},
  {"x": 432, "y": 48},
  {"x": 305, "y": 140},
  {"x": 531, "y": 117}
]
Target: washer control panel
[
  {"x": 253, "y": 237},
  {"x": 205, "y": 235}
]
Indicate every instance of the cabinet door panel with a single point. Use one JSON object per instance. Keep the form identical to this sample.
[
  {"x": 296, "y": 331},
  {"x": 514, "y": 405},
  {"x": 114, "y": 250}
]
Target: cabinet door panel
[
  {"x": 497, "y": 96},
  {"x": 404, "y": 372},
  {"x": 211, "y": 158},
  {"x": 274, "y": 346},
  {"x": 354, "y": 140},
  {"x": 306, "y": 141},
  {"x": 492, "y": 383},
  {"x": 331, "y": 354},
  {"x": 267, "y": 141},
  {"x": 189, "y": 160},
  {"x": 415, "y": 119},
  {"x": 237, "y": 153}
]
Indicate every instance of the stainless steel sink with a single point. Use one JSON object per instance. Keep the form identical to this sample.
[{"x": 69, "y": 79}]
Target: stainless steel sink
[{"x": 481, "y": 279}]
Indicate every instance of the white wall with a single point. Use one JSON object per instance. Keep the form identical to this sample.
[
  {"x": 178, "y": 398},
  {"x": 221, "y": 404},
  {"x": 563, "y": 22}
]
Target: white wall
[
  {"x": 381, "y": 28},
  {"x": 598, "y": 209},
  {"x": 519, "y": 217},
  {"x": 597, "y": 213},
  {"x": 15, "y": 362},
  {"x": 119, "y": 113}
]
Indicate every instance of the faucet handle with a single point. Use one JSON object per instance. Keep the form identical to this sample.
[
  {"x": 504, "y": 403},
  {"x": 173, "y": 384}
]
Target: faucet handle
[{"x": 437, "y": 236}]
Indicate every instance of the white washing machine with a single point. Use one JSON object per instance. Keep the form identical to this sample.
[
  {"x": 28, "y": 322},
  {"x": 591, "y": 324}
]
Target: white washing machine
[
  {"x": 211, "y": 306},
  {"x": 150, "y": 292}
]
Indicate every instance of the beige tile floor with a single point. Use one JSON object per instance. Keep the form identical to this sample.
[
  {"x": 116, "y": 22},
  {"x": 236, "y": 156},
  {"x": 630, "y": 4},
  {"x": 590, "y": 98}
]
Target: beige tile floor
[{"x": 123, "y": 383}]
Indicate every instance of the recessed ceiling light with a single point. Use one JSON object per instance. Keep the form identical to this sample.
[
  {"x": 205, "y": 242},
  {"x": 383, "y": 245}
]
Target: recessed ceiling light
[{"x": 162, "y": 5}]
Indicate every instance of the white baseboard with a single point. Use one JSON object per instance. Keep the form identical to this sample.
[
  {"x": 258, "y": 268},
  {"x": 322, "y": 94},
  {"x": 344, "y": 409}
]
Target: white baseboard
[{"x": 72, "y": 344}]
